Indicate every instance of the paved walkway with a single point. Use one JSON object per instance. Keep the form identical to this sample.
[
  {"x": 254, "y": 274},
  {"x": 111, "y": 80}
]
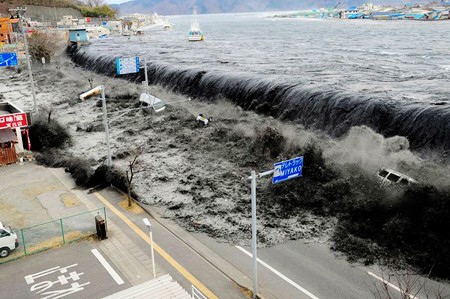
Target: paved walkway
[
  {"x": 129, "y": 258},
  {"x": 35, "y": 194}
]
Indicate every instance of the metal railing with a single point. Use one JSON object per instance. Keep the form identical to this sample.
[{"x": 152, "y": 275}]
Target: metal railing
[{"x": 56, "y": 233}]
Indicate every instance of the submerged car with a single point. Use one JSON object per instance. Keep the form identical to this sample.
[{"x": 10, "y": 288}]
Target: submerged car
[{"x": 391, "y": 177}]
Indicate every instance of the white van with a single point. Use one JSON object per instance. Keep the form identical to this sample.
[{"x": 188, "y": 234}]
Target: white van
[
  {"x": 388, "y": 177},
  {"x": 8, "y": 240}
]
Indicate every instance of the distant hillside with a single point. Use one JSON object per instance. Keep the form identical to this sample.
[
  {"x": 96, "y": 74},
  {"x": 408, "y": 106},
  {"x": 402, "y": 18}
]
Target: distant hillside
[{"x": 170, "y": 7}]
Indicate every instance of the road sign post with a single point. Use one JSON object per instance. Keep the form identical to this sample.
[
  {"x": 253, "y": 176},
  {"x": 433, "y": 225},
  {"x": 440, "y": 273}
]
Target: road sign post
[{"x": 282, "y": 171}]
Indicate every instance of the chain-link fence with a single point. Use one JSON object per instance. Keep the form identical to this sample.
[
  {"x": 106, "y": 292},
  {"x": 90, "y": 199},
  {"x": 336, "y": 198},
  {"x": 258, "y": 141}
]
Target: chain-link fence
[{"x": 55, "y": 233}]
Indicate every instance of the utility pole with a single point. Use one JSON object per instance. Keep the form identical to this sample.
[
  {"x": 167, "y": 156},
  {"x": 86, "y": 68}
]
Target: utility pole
[{"x": 20, "y": 11}]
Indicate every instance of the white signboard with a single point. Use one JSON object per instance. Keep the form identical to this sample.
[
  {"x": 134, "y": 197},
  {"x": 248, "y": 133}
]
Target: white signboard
[{"x": 127, "y": 65}]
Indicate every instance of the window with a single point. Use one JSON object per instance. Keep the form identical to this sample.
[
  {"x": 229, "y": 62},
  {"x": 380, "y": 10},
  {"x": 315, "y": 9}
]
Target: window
[
  {"x": 393, "y": 177},
  {"x": 383, "y": 173},
  {"x": 403, "y": 182}
]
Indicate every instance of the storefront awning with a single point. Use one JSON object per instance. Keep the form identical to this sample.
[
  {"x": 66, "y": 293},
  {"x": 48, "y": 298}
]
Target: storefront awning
[{"x": 7, "y": 135}]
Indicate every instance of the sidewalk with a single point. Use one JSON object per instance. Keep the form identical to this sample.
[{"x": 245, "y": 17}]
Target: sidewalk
[
  {"x": 128, "y": 258},
  {"x": 185, "y": 258}
]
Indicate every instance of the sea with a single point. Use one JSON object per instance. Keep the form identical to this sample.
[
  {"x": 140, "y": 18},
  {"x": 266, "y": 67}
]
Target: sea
[{"x": 327, "y": 74}]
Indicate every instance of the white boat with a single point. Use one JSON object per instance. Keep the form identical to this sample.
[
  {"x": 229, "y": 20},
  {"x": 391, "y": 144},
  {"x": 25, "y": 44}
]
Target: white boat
[
  {"x": 195, "y": 33},
  {"x": 167, "y": 26}
]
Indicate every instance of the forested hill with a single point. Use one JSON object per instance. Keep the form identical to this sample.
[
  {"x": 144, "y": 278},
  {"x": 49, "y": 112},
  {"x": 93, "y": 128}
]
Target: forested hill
[{"x": 168, "y": 7}]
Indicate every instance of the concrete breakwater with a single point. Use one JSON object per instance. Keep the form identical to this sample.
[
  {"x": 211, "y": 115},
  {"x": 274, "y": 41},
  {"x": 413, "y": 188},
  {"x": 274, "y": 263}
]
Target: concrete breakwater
[{"x": 424, "y": 124}]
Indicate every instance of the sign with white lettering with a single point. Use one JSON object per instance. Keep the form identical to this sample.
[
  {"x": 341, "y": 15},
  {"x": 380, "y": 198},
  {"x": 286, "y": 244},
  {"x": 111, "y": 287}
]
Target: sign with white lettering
[
  {"x": 56, "y": 282},
  {"x": 8, "y": 59},
  {"x": 287, "y": 170},
  {"x": 16, "y": 120},
  {"x": 127, "y": 65}
]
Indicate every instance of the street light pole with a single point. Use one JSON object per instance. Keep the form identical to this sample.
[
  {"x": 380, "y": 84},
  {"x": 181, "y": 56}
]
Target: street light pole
[
  {"x": 149, "y": 226},
  {"x": 146, "y": 75},
  {"x": 255, "y": 259},
  {"x": 252, "y": 178},
  {"x": 105, "y": 123},
  {"x": 19, "y": 11}
]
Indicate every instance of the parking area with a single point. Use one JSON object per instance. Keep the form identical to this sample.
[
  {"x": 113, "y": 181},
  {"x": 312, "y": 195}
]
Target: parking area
[
  {"x": 43, "y": 211},
  {"x": 79, "y": 270},
  {"x": 59, "y": 255}
]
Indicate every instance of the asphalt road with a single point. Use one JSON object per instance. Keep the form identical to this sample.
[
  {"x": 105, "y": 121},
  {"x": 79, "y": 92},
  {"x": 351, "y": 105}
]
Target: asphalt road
[
  {"x": 301, "y": 270},
  {"x": 291, "y": 270},
  {"x": 196, "y": 266},
  {"x": 72, "y": 271}
]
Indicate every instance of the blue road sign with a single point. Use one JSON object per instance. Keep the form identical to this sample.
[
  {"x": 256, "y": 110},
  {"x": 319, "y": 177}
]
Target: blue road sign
[
  {"x": 8, "y": 59},
  {"x": 127, "y": 65},
  {"x": 287, "y": 170}
]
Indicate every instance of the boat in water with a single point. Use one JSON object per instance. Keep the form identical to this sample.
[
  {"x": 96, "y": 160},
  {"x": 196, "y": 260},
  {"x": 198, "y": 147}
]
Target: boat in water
[
  {"x": 167, "y": 25},
  {"x": 195, "y": 34}
]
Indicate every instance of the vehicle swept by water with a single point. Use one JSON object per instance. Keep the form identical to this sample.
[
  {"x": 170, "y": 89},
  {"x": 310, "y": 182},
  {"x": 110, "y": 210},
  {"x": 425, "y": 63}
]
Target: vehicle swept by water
[
  {"x": 195, "y": 34},
  {"x": 391, "y": 177},
  {"x": 148, "y": 101}
]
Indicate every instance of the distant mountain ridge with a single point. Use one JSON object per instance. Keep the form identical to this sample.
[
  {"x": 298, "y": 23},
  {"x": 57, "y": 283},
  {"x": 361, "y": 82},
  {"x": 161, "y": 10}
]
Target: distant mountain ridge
[{"x": 172, "y": 7}]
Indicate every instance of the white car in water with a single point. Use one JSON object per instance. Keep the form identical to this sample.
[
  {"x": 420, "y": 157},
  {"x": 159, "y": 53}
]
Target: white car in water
[
  {"x": 8, "y": 240},
  {"x": 389, "y": 177}
]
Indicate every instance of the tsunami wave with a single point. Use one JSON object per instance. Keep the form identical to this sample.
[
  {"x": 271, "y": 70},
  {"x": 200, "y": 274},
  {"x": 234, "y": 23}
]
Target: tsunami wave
[{"x": 424, "y": 124}]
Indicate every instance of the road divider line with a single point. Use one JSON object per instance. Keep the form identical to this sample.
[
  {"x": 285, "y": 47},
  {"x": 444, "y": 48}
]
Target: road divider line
[
  {"x": 392, "y": 285},
  {"x": 208, "y": 293},
  {"x": 281, "y": 275},
  {"x": 107, "y": 266}
]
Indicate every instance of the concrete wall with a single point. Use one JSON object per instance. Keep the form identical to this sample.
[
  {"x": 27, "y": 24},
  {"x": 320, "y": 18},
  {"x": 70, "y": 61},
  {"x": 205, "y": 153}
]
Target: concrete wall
[{"x": 40, "y": 13}]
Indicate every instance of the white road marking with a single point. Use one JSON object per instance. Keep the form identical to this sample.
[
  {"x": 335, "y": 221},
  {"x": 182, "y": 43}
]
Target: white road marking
[
  {"x": 107, "y": 266},
  {"x": 391, "y": 285},
  {"x": 282, "y": 276}
]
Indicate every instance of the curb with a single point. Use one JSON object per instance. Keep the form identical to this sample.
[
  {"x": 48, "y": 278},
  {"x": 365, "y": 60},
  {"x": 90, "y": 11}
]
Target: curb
[{"x": 223, "y": 266}]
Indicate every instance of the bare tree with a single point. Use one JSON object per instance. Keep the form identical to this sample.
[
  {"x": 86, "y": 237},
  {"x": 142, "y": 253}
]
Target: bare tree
[
  {"x": 93, "y": 3},
  {"x": 406, "y": 284},
  {"x": 133, "y": 168},
  {"x": 43, "y": 45}
]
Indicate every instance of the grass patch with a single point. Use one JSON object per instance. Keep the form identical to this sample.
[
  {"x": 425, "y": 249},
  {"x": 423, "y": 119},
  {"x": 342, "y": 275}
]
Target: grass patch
[
  {"x": 134, "y": 209},
  {"x": 36, "y": 191},
  {"x": 69, "y": 200},
  {"x": 52, "y": 243}
]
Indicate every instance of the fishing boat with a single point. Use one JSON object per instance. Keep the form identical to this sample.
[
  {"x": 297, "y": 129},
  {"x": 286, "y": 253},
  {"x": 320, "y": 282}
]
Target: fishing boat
[
  {"x": 195, "y": 33},
  {"x": 167, "y": 26}
]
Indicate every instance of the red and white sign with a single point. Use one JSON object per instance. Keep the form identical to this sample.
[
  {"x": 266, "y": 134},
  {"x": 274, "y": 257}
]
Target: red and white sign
[{"x": 16, "y": 120}]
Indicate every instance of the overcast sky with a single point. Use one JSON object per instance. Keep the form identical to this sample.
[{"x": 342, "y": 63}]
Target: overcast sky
[{"x": 116, "y": 1}]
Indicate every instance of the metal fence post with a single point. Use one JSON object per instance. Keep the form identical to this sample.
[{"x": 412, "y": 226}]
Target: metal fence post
[
  {"x": 23, "y": 241},
  {"x": 62, "y": 231}
]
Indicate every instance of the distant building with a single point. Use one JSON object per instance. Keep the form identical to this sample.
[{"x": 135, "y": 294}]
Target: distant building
[
  {"x": 7, "y": 27},
  {"x": 12, "y": 121},
  {"x": 78, "y": 35},
  {"x": 115, "y": 26}
]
